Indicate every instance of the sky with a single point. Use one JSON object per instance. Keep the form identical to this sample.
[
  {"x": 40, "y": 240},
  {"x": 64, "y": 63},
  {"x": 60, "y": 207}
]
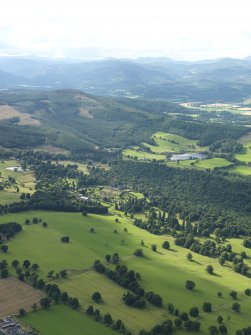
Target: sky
[{"x": 179, "y": 29}]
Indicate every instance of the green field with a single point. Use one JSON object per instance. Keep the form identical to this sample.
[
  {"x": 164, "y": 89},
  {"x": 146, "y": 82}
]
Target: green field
[
  {"x": 64, "y": 321},
  {"x": 242, "y": 169},
  {"x": 164, "y": 272},
  {"x": 210, "y": 163},
  {"x": 25, "y": 181},
  {"x": 112, "y": 302},
  {"x": 166, "y": 142},
  {"x": 246, "y": 156},
  {"x": 142, "y": 155}
]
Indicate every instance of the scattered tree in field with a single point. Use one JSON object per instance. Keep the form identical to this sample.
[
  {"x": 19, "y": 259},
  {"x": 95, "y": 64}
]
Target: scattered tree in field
[
  {"x": 189, "y": 256},
  {"x": 74, "y": 303},
  {"x": 65, "y": 239},
  {"x": 210, "y": 269},
  {"x": 154, "y": 247},
  {"x": 108, "y": 258},
  {"x": 233, "y": 294},
  {"x": 4, "y": 248},
  {"x": 166, "y": 245},
  {"x": 15, "y": 263},
  {"x": 194, "y": 312},
  {"x": 190, "y": 285},
  {"x": 219, "y": 319},
  {"x": 125, "y": 230},
  {"x": 34, "y": 307},
  {"x": 142, "y": 243},
  {"x": 63, "y": 273},
  {"x": 96, "y": 297},
  {"x": 138, "y": 253},
  {"x": 64, "y": 297},
  {"x": 4, "y": 273},
  {"x": 45, "y": 302},
  {"x": 247, "y": 292},
  {"x": 207, "y": 307},
  {"x": 178, "y": 323},
  {"x": 236, "y": 307},
  {"x": 27, "y": 221},
  {"x": 107, "y": 319},
  {"x": 184, "y": 316},
  {"x": 170, "y": 308},
  {"x": 21, "y": 277},
  {"x": 34, "y": 267},
  {"x": 222, "y": 329},
  {"x": 90, "y": 310},
  {"x": 26, "y": 263},
  {"x": 115, "y": 258},
  {"x": 115, "y": 231},
  {"x": 219, "y": 294},
  {"x": 45, "y": 224},
  {"x": 22, "y": 312},
  {"x": 92, "y": 230},
  {"x": 213, "y": 330}
]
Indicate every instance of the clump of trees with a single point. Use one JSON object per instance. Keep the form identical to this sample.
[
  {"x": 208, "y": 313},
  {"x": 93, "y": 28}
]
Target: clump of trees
[{"x": 133, "y": 300}]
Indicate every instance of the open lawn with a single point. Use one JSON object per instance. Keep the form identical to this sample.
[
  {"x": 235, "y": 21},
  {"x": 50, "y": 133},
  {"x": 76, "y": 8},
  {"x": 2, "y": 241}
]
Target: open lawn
[
  {"x": 15, "y": 294},
  {"x": 63, "y": 320},
  {"x": 164, "y": 272}
]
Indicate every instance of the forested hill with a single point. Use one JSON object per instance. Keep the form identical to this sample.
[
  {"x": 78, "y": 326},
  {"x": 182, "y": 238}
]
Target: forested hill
[
  {"x": 77, "y": 121},
  {"x": 194, "y": 193}
]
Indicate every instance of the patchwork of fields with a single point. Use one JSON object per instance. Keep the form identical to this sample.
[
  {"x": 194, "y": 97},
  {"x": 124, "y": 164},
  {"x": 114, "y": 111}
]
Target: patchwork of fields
[{"x": 164, "y": 272}]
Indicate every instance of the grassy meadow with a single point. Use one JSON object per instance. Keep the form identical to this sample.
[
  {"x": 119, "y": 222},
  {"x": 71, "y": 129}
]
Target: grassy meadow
[
  {"x": 164, "y": 272},
  {"x": 62, "y": 320},
  {"x": 25, "y": 181}
]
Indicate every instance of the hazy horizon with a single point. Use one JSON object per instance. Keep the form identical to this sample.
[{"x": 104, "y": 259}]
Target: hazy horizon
[{"x": 180, "y": 30}]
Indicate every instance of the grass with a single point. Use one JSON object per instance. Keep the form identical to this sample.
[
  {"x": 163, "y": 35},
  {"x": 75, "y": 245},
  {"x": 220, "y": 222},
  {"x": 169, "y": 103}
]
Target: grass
[
  {"x": 242, "y": 169},
  {"x": 246, "y": 156},
  {"x": 142, "y": 155},
  {"x": 63, "y": 320},
  {"x": 111, "y": 300},
  {"x": 164, "y": 272},
  {"x": 15, "y": 295},
  {"x": 81, "y": 167},
  {"x": 25, "y": 181},
  {"x": 210, "y": 163},
  {"x": 166, "y": 142}
]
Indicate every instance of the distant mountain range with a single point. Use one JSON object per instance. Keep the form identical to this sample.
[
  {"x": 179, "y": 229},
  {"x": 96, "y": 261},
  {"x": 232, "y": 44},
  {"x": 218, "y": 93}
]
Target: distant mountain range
[{"x": 160, "y": 78}]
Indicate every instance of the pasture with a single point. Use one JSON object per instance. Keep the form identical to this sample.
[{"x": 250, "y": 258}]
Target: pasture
[
  {"x": 60, "y": 319},
  {"x": 141, "y": 154},
  {"x": 163, "y": 272},
  {"x": 133, "y": 318},
  {"x": 15, "y": 294},
  {"x": 246, "y": 155},
  {"x": 209, "y": 163},
  {"x": 24, "y": 181}
]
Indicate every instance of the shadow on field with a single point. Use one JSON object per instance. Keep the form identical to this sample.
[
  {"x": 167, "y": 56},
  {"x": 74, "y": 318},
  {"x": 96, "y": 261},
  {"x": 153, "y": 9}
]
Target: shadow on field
[{"x": 194, "y": 261}]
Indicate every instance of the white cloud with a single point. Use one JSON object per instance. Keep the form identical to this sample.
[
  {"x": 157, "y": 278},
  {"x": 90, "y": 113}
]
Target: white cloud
[{"x": 177, "y": 28}]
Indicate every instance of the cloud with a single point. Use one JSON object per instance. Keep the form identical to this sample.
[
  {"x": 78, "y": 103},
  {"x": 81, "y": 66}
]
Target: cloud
[{"x": 176, "y": 28}]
